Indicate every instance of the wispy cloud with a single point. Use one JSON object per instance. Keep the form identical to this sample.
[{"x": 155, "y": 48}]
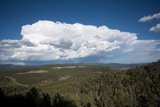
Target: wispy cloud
[
  {"x": 53, "y": 41},
  {"x": 155, "y": 28},
  {"x": 149, "y": 17}
]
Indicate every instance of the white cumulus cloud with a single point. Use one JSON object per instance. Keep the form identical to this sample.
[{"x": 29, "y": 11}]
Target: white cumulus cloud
[
  {"x": 54, "y": 41},
  {"x": 155, "y": 28},
  {"x": 149, "y": 17}
]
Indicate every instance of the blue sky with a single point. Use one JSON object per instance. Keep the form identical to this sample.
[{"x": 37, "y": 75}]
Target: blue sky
[
  {"x": 115, "y": 14},
  {"x": 118, "y": 14}
]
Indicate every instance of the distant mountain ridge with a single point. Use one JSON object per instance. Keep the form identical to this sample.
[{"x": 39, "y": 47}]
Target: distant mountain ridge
[
  {"x": 8, "y": 67},
  {"x": 123, "y": 66}
]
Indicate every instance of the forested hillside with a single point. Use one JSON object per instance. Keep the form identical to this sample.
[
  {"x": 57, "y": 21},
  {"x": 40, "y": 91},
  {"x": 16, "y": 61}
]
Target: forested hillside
[{"x": 96, "y": 86}]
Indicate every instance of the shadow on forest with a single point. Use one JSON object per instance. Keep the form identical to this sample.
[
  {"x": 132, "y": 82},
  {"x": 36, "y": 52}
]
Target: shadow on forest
[{"x": 33, "y": 99}]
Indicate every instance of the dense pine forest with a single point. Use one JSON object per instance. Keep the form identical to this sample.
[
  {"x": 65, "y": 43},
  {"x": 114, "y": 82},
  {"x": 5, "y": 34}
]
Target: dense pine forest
[{"x": 96, "y": 86}]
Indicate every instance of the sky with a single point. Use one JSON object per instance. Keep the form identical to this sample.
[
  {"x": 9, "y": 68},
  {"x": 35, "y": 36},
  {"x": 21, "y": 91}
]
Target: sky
[{"x": 79, "y": 31}]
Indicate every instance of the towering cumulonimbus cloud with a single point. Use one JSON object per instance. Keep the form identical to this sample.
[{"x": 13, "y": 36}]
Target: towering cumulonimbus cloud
[{"x": 53, "y": 41}]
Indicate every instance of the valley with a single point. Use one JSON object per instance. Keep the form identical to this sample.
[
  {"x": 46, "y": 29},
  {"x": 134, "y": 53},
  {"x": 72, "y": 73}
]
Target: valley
[{"x": 87, "y": 85}]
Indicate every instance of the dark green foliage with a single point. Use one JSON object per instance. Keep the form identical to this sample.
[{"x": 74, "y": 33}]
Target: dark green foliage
[
  {"x": 60, "y": 101},
  {"x": 33, "y": 99},
  {"x": 46, "y": 100}
]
